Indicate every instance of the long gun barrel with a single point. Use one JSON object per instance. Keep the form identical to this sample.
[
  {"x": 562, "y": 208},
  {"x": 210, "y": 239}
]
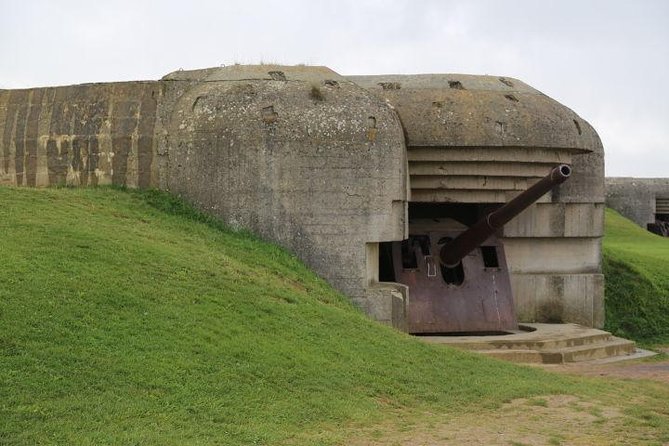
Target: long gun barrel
[{"x": 452, "y": 252}]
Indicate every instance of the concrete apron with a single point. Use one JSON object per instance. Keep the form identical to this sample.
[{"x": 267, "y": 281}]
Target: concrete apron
[{"x": 545, "y": 343}]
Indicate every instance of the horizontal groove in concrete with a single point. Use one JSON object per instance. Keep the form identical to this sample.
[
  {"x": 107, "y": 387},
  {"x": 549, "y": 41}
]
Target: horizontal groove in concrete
[
  {"x": 497, "y": 169},
  {"x": 468, "y": 196},
  {"x": 479, "y": 154}
]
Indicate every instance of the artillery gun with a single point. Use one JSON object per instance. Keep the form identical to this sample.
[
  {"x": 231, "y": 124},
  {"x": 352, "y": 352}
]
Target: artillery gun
[{"x": 458, "y": 277}]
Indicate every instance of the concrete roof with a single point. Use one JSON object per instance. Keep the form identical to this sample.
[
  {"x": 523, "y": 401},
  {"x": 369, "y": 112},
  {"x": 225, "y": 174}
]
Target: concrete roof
[{"x": 480, "y": 111}]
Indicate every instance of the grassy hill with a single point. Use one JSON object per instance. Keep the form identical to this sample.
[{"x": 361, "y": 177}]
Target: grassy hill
[
  {"x": 636, "y": 266},
  {"x": 127, "y": 318}
]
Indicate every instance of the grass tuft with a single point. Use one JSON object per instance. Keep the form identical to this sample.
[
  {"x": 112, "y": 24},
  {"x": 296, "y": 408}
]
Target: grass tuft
[{"x": 316, "y": 94}]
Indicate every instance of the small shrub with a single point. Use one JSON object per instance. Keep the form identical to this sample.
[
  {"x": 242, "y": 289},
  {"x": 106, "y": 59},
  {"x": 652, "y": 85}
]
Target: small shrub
[{"x": 316, "y": 94}]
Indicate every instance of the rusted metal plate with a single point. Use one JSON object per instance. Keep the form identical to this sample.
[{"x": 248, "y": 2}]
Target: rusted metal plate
[{"x": 473, "y": 297}]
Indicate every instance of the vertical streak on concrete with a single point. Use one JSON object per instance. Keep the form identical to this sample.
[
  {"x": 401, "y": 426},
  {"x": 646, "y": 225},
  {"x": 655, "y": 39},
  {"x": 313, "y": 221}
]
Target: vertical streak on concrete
[
  {"x": 100, "y": 114},
  {"x": 121, "y": 145},
  {"x": 20, "y": 135},
  {"x": 88, "y": 127},
  {"x": 9, "y": 127},
  {"x": 147, "y": 119},
  {"x": 80, "y": 135},
  {"x": 51, "y": 154},
  {"x": 58, "y": 146},
  {"x": 124, "y": 124},
  {"x": 32, "y": 140},
  {"x": 79, "y": 150},
  {"x": 93, "y": 155}
]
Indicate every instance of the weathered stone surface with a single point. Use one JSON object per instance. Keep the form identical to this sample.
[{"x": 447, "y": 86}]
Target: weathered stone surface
[
  {"x": 79, "y": 135},
  {"x": 457, "y": 110},
  {"x": 586, "y": 184},
  {"x": 298, "y": 155},
  {"x": 558, "y": 255},
  {"x": 577, "y": 298},
  {"x": 558, "y": 220},
  {"x": 635, "y": 198}
]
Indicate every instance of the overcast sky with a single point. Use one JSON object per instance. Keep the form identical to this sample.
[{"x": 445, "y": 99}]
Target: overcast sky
[{"x": 607, "y": 60}]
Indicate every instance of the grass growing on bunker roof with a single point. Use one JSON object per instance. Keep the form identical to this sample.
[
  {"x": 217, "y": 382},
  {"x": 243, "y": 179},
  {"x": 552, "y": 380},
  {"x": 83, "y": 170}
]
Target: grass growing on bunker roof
[
  {"x": 128, "y": 318},
  {"x": 316, "y": 94}
]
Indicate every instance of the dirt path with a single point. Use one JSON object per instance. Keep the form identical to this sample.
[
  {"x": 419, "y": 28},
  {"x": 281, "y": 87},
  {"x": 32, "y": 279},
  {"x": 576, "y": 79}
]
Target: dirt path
[
  {"x": 548, "y": 420},
  {"x": 544, "y": 421},
  {"x": 656, "y": 371}
]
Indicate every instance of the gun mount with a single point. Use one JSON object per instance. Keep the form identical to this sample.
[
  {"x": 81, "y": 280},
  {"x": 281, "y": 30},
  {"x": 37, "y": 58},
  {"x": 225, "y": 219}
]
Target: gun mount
[
  {"x": 458, "y": 277},
  {"x": 452, "y": 252}
]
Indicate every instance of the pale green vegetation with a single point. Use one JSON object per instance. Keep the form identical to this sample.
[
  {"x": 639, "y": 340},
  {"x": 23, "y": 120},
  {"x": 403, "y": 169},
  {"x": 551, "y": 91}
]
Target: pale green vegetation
[
  {"x": 636, "y": 267},
  {"x": 128, "y": 318}
]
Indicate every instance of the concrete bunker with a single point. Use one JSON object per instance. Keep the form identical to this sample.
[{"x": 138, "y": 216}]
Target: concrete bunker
[
  {"x": 365, "y": 178},
  {"x": 645, "y": 201},
  {"x": 473, "y": 144}
]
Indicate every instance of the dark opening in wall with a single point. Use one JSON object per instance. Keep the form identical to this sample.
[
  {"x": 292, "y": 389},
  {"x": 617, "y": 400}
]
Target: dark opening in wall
[
  {"x": 386, "y": 269},
  {"x": 661, "y": 224},
  {"x": 662, "y": 209},
  {"x": 452, "y": 275},
  {"x": 465, "y": 213},
  {"x": 411, "y": 248},
  {"x": 409, "y": 259},
  {"x": 489, "y": 254},
  {"x": 506, "y": 82}
]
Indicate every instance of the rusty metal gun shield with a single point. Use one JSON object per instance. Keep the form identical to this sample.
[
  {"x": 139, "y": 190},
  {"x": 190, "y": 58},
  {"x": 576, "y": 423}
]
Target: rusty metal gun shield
[{"x": 472, "y": 296}]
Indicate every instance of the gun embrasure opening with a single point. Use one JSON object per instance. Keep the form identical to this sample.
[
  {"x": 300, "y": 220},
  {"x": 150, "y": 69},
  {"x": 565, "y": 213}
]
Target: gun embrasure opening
[{"x": 452, "y": 253}]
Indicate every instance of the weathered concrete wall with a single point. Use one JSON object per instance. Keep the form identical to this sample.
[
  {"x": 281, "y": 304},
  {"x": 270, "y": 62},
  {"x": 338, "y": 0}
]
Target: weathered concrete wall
[
  {"x": 483, "y": 139},
  {"x": 79, "y": 135},
  {"x": 635, "y": 198},
  {"x": 298, "y": 155}
]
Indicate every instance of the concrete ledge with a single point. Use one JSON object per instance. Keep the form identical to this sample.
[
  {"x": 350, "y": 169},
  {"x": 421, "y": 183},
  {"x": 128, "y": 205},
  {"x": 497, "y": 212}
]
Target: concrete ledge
[{"x": 544, "y": 343}]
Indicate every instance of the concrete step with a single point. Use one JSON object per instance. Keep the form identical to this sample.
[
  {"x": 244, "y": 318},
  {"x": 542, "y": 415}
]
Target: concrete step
[
  {"x": 589, "y": 338},
  {"x": 520, "y": 356},
  {"x": 547, "y": 343},
  {"x": 613, "y": 347}
]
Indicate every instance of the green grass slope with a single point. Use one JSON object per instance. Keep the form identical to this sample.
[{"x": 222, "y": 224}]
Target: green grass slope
[
  {"x": 126, "y": 318},
  {"x": 636, "y": 267}
]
